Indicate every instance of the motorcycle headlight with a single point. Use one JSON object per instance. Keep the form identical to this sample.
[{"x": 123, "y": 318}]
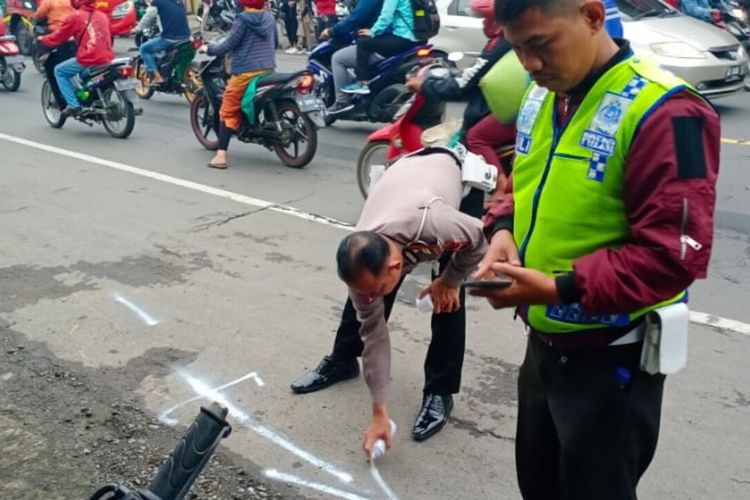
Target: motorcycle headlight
[
  {"x": 122, "y": 10},
  {"x": 680, "y": 50}
]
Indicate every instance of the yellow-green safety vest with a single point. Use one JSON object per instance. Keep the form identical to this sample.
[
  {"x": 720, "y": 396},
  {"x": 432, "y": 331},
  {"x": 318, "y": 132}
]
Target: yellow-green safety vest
[{"x": 568, "y": 183}]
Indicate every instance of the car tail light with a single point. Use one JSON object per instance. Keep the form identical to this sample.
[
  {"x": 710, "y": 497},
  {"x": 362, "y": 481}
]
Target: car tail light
[
  {"x": 125, "y": 71},
  {"x": 424, "y": 52},
  {"x": 305, "y": 83}
]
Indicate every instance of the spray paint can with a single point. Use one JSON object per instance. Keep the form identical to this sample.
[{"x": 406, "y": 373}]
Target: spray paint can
[{"x": 379, "y": 449}]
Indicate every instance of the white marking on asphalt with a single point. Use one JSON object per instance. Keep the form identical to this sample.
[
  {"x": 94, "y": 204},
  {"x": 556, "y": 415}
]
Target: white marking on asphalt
[
  {"x": 143, "y": 315},
  {"x": 719, "y": 323},
  {"x": 389, "y": 494},
  {"x": 695, "y": 317},
  {"x": 195, "y": 186},
  {"x": 289, "y": 478},
  {"x": 166, "y": 419},
  {"x": 250, "y": 423}
]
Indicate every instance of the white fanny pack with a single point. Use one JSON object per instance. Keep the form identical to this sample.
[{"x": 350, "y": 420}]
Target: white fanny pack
[{"x": 665, "y": 340}]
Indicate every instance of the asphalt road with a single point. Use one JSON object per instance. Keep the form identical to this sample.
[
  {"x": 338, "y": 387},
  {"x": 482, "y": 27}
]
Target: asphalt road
[{"x": 106, "y": 263}]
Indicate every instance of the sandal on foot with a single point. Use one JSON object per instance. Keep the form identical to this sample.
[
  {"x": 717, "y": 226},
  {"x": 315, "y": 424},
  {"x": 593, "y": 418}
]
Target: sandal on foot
[{"x": 220, "y": 166}]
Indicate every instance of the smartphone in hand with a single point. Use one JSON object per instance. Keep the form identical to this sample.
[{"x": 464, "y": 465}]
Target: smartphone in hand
[{"x": 500, "y": 282}]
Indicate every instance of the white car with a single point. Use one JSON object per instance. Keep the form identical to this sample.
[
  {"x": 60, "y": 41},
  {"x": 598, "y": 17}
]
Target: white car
[{"x": 707, "y": 57}]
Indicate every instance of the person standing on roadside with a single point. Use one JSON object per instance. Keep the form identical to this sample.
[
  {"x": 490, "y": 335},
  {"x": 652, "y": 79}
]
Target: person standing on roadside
[
  {"x": 608, "y": 216},
  {"x": 289, "y": 10}
]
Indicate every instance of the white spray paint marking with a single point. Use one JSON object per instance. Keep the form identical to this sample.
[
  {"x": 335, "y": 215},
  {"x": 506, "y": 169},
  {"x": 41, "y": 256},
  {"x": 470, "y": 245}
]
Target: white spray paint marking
[
  {"x": 250, "y": 423},
  {"x": 719, "y": 323},
  {"x": 695, "y": 317},
  {"x": 389, "y": 494},
  {"x": 143, "y": 315},
  {"x": 166, "y": 419},
  {"x": 195, "y": 186},
  {"x": 289, "y": 478}
]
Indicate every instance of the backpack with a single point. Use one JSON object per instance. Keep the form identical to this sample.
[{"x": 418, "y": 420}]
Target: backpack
[{"x": 426, "y": 19}]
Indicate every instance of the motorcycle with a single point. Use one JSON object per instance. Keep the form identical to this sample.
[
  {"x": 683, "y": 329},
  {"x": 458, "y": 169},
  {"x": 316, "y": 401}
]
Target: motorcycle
[
  {"x": 414, "y": 122},
  {"x": 11, "y": 63},
  {"x": 106, "y": 94},
  {"x": 386, "y": 89},
  {"x": 288, "y": 113},
  {"x": 175, "y": 65},
  {"x": 217, "y": 15}
]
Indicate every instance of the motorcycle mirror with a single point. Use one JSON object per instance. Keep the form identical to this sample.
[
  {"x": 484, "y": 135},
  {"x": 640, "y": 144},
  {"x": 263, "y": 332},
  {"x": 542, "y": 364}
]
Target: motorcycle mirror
[{"x": 454, "y": 57}]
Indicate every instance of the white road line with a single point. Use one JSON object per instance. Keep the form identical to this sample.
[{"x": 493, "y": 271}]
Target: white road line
[
  {"x": 143, "y": 315},
  {"x": 195, "y": 186},
  {"x": 389, "y": 494},
  {"x": 248, "y": 422},
  {"x": 289, "y": 478},
  {"x": 719, "y": 323},
  {"x": 166, "y": 419},
  {"x": 695, "y": 317}
]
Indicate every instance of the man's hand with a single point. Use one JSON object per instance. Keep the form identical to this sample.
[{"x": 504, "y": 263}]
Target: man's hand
[
  {"x": 446, "y": 299},
  {"x": 716, "y": 15},
  {"x": 530, "y": 287},
  {"x": 325, "y": 34},
  {"x": 364, "y": 32},
  {"x": 379, "y": 428},
  {"x": 502, "y": 249},
  {"x": 414, "y": 84},
  {"x": 203, "y": 49}
]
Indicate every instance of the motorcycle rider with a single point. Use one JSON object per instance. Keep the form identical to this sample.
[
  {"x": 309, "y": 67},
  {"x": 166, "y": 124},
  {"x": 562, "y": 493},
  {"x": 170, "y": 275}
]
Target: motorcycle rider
[
  {"x": 90, "y": 29},
  {"x": 482, "y": 132},
  {"x": 174, "y": 29},
  {"x": 364, "y": 15},
  {"x": 393, "y": 32},
  {"x": 54, "y": 11},
  {"x": 710, "y": 11},
  {"x": 252, "y": 42}
]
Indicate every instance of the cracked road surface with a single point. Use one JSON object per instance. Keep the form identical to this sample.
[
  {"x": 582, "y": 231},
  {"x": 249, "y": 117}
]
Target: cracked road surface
[{"x": 210, "y": 294}]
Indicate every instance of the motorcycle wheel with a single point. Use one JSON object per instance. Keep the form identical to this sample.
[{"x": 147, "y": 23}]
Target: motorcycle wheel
[
  {"x": 204, "y": 123},
  {"x": 374, "y": 153},
  {"x": 298, "y": 129},
  {"x": 52, "y": 113},
  {"x": 36, "y": 57},
  {"x": 12, "y": 80},
  {"x": 143, "y": 89},
  {"x": 120, "y": 126},
  {"x": 192, "y": 81}
]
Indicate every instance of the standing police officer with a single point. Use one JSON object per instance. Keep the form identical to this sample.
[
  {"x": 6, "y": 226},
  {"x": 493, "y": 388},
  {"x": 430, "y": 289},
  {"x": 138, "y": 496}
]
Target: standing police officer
[{"x": 608, "y": 217}]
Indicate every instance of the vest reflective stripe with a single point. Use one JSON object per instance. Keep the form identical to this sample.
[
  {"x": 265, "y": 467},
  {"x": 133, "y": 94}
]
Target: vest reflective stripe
[{"x": 567, "y": 184}]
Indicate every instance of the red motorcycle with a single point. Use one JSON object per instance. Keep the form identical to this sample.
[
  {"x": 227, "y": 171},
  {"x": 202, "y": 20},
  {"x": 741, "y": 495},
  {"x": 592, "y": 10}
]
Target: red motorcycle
[
  {"x": 404, "y": 135},
  {"x": 11, "y": 62}
]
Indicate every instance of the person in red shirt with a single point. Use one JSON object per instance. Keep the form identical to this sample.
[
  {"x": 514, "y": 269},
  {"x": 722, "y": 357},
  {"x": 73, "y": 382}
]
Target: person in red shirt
[
  {"x": 90, "y": 29},
  {"x": 325, "y": 16}
]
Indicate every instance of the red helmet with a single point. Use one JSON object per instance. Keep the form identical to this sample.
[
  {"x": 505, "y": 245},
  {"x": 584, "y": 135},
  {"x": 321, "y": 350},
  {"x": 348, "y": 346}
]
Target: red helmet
[
  {"x": 253, "y": 4},
  {"x": 77, "y": 4},
  {"x": 485, "y": 9}
]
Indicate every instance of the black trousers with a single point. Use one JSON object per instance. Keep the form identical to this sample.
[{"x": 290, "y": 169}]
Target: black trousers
[
  {"x": 588, "y": 422},
  {"x": 385, "y": 45},
  {"x": 445, "y": 355},
  {"x": 291, "y": 24}
]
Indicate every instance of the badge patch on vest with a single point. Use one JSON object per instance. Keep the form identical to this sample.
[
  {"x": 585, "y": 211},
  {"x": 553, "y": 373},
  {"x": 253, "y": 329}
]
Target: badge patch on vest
[
  {"x": 599, "y": 137},
  {"x": 527, "y": 117},
  {"x": 573, "y": 313}
]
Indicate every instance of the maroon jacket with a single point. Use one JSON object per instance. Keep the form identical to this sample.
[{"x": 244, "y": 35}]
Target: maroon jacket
[{"x": 669, "y": 192}]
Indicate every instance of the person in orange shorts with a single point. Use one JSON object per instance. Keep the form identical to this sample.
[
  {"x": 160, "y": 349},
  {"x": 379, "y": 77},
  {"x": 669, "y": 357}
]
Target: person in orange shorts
[{"x": 252, "y": 43}]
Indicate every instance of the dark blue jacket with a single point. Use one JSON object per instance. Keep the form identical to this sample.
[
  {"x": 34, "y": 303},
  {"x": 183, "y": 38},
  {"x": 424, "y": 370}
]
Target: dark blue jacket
[
  {"x": 364, "y": 15},
  {"x": 173, "y": 17}
]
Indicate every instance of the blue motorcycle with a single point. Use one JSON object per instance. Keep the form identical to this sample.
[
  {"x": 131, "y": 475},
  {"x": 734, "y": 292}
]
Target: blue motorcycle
[{"x": 387, "y": 89}]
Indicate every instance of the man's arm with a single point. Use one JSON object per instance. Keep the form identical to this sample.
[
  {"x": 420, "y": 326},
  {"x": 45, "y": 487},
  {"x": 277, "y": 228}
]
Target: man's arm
[
  {"x": 385, "y": 19},
  {"x": 69, "y": 28},
  {"x": 148, "y": 19},
  {"x": 42, "y": 11},
  {"x": 461, "y": 234},
  {"x": 233, "y": 40},
  {"x": 670, "y": 194},
  {"x": 376, "y": 356},
  {"x": 694, "y": 9},
  {"x": 363, "y": 10}
]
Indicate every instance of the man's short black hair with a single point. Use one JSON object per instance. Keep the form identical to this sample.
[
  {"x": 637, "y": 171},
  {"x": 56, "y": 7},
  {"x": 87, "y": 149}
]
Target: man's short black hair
[
  {"x": 507, "y": 11},
  {"x": 361, "y": 251}
]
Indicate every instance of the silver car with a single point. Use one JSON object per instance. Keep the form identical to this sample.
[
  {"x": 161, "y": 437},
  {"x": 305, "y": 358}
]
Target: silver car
[{"x": 707, "y": 57}]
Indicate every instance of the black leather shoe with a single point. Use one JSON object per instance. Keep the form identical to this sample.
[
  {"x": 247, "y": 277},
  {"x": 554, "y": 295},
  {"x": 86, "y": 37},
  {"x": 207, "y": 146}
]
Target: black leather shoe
[
  {"x": 436, "y": 408},
  {"x": 328, "y": 372}
]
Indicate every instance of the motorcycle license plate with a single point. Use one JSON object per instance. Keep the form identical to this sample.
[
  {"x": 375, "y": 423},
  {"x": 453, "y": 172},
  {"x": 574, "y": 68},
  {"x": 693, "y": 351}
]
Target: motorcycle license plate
[
  {"x": 734, "y": 73},
  {"x": 13, "y": 60},
  {"x": 128, "y": 84},
  {"x": 310, "y": 104}
]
